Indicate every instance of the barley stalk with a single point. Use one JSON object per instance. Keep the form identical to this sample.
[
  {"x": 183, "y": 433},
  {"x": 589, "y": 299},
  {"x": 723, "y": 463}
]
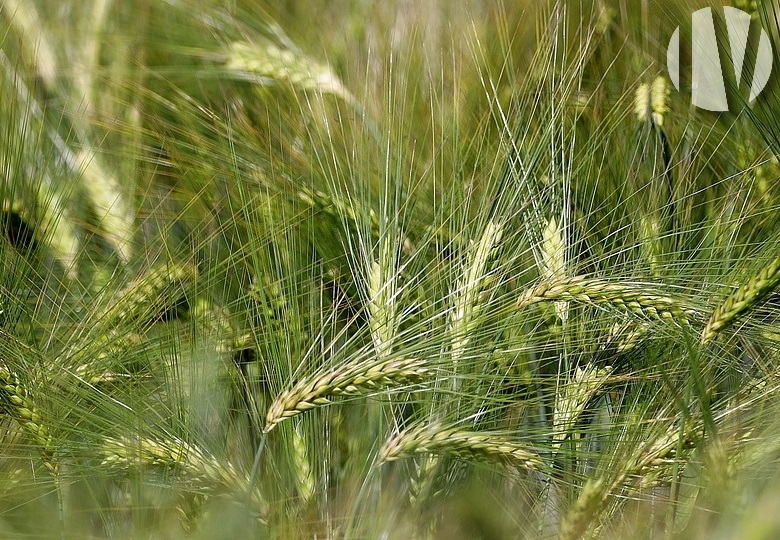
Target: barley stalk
[
  {"x": 597, "y": 291},
  {"x": 465, "y": 444},
  {"x": 354, "y": 379},
  {"x": 742, "y": 300},
  {"x": 17, "y": 402}
]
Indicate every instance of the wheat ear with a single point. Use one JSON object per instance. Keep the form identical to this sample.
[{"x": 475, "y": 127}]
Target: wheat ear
[
  {"x": 597, "y": 291},
  {"x": 465, "y": 444},
  {"x": 18, "y": 403},
  {"x": 353, "y": 379},
  {"x": 742, "y": 300}
]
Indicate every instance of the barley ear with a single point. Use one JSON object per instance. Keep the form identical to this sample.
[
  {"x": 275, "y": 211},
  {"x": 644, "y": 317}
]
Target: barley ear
[
  {"x": 355, "y": 379},
  {"x": 302, "y": 466},
  {"x": 267, "y": 63},
  {"x": 473, "y": 280},
  {"x": 465, "y": 444},
  {"x": 632, "y": 298},
  {"x": 576, "y": 521},
  {"x": 575, "y": 395},
  {"x": 17, "y": 402},
  {"x": 150, "y": 295},
  {"x": 200, "y": 468},
  {"x": 37, "y": 47},
  {"x": 114, "y": 213},
  {"x": 651, "y": 101},
  {"x": 625, "y": 336},
  {"x": 381, "y": 299},
  {"x": 649, "y": 235},
  {"x": 742, "y": 300},
  {"x": 51, "y": 224},
  {"x": 553, "y": 260}
]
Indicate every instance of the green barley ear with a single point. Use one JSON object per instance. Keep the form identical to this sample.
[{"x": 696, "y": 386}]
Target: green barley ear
[
  {"x": 473, "y": 281},
  {"x": 17, "y": 402},
  {"x": 650, "y": 106},
  {"x": 356, "y": 379},
  {"x": 574, "y": 396},
  {"x": 577, "y": 520},
  {"x": 649, "y": 238},
  {"x": 115, "y": 218},
  {"x": 742, "y": 300},
  {"x": 155, "y": 294},
  {"x": 303, "y": 473},
  {"x": 49, "y": 224},
  {"x": 268, "y": 64},
  {"x": 201, "y": 469},
  {"x": 95, "y": 359},
  {"x": 109, "y": 202},
  {"x": 23, "y": 17},
  {"x": 633, "y": 298},
  {"x": 552, "y": 262},
  {"x": 748, "y": 6},
  {"x": 648, "y": 461},
  {"x": 215, "y": 323},
  {"x": 625, "y": 336},
  {"x": 152, "y": 295},
  {"x": 484, "y": 446},
  {"x": 381, "y": 300},
  {"x": 651, "y": 101}
]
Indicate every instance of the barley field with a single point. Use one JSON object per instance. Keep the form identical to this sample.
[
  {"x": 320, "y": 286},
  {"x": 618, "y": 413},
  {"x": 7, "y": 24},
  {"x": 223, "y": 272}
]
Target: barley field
[{"x": 362, "y": 269}]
